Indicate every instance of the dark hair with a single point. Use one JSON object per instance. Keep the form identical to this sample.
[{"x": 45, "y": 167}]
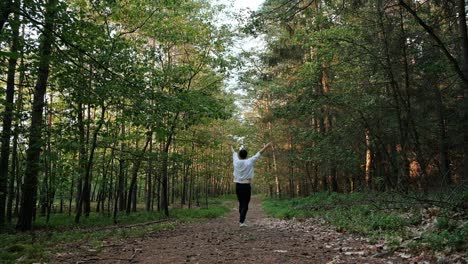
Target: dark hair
[{"x": 243, "y": 154}]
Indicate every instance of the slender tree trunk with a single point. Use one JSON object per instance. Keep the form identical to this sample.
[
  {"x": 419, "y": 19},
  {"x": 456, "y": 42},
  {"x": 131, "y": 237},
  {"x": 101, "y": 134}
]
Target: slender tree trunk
[
  {"x": 85, "y": 194},
  {"x": 119, "y": 204},
  {"x": 122, "y": 168},
  {"x": 443, "y": 140},
  {"x": 117, "y": 197},
  {"x": 185, "y": 178},
  {"x": 368, "y": 175},
  {"x": 13, "y": 176},
  {"x": 134, "y": 197},
  {"x": 164, "y": 168},
  {"x": 101, "y": 197},
  {"x": 461, "y": 8},
  {"x": 82, "y": 153},
  {"x": 190, "y": 194},
  {"x": 136, "y": 167},
  {"x": 291, "y": 168},
  {"x": 15, "y": 170},
  {"x": 70, "y": 201},
  {"x": 158, "y": 189},
  {"x": 19, "y": 184},
  {"x": 106, "y": 187},
  {"x": 197, "y": 185},
  {"x": 149, "y": 178},
  {"x": 112, "y": 189},
  {"x": 7, "y": 120},
  {"x": 35, "y": 133},
  {"x": 164, "y": 180},
  {"x": 50, "y": 191}
]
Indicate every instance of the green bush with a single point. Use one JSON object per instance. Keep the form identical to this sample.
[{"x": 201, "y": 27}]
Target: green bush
[{"x": 447, "y": 237}]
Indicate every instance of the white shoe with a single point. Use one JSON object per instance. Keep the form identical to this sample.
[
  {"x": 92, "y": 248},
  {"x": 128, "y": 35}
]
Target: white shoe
[{"x": 242, "y": 225}]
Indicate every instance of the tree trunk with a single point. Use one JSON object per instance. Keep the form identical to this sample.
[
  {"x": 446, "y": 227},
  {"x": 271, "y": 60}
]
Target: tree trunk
[
  {"x": 35, "y": 133},
  {"x": 85, "y": 194},
  {"x": 122, "y": 169},
  {"x": 464, "y": 67},
  {"x": 368, "y": 175},
  {"x": 164, "y": 168},
  {"x": 82, "y": 153},
  {"x": 119, "y": 204},
  {"x": 7, "y": 120},
  {"x": 89, "y": 164},
  {"x": 111, "y": 184},
  {"x": 70, "y": 201},
  {"x": 136, "y": 167},
  {"x": 149, "y": 178},
  {"x": 15, "y": 170},
  {"x": 185, "y": 177},
  {"x": 291, "y": 168},
  {"x": 50, "y": 192},
  {"x": 164, "y": 179},
  {"x": 14, "y": 173},
  {"x": 101, "y": 197}
]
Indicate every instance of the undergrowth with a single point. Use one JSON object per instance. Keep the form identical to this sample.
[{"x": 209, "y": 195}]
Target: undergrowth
[
  {"x": 416, "y": 221},
  {"x": 61, "y": 231}
]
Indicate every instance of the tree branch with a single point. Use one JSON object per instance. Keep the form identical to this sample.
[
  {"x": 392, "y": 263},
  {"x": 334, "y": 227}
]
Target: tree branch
[{"x": 439, "y": 42}]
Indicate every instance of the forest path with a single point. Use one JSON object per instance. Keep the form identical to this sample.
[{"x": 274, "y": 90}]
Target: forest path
[{"x": 265, "y": 240}]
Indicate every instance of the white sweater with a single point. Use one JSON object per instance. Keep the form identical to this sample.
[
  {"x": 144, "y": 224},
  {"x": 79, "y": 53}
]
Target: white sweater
[{"x": 244, "y": 169}]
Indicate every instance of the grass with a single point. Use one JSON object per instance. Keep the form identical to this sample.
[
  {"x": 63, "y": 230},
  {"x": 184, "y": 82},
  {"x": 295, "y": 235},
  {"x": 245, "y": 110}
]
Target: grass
[
  {"x": 61, "y": 232},
  {"x": 395, "y": 218}
]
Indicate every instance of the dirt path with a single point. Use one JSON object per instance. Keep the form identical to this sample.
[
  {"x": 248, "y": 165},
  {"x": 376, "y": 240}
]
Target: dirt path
[{"x": 265, "y": 240}]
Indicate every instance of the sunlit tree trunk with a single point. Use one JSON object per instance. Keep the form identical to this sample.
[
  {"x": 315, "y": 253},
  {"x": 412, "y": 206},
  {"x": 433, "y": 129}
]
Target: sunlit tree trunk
[{"x": 368, "y": 176}]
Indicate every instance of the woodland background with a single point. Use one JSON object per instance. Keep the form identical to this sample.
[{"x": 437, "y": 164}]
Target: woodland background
[{"x": 121, "y": 106}]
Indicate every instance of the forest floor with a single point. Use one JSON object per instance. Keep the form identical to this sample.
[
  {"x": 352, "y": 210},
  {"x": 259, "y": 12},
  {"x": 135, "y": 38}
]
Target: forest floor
[{"x": 221, "y": 240}]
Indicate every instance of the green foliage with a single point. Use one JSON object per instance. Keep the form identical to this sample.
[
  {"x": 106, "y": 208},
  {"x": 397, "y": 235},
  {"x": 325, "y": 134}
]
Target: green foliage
[
  {"x": 23, "y": 253},
  {"x": 12, "y": 55},
  {"x": 448, "y": 238},
  {"x": 340, "y": 78},
  {"x": 202, "y": 213},
  {"x": 156, "y": 67}
]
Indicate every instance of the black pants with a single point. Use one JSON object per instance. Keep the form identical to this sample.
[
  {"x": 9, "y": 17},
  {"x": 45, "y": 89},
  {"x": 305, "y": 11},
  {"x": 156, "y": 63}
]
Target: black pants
[{"x": 243, "y": 191}]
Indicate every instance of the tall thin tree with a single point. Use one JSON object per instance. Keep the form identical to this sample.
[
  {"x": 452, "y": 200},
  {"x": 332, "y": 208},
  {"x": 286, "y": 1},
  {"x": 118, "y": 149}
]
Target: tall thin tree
[
  {"x": 8, "y": 114},
  {"x": 28, "y": 200}
]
